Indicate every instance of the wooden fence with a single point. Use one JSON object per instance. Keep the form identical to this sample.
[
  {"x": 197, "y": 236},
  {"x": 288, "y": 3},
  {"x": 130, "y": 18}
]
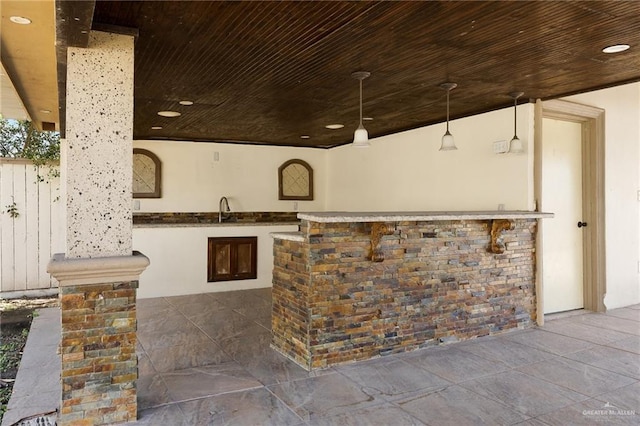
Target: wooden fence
[{"x": 31, "y": 227}]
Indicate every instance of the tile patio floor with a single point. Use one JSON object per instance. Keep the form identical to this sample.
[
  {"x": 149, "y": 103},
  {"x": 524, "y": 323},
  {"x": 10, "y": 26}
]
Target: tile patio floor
[{"x": 205, "y": 360}]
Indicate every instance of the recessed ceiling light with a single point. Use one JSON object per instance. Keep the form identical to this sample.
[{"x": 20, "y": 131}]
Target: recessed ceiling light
[
  {"x": 616, "y": 48},
  {"x": 156, "y": 128},
  {"x": 186, "y": 102},
  {"x": 305, "y": 137},
  {"x": 20, "y": 20},
  {"x": 169, "y": 113},
  {"x": 367, "y": 118},
  {"x": 334, "y": 126}
]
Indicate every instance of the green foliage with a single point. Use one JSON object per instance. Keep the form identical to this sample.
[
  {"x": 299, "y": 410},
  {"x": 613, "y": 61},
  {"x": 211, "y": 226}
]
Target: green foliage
[
  {"x": 20, "y": 139},
  {"x": 12, "y": 210},
  {"x": 5, "y": 394}
]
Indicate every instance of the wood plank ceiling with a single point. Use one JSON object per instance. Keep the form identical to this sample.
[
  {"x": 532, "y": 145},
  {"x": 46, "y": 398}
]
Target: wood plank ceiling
[{"x": 270, "y": 72}]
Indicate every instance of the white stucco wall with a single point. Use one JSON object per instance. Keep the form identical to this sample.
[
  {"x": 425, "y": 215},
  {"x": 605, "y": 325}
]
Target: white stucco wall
[
  {"x": 405, "y": 171},
  {"x": 179, "y": 258},
  {"x": 622, "y": 182},
  {"x": 192, "y": 181}
]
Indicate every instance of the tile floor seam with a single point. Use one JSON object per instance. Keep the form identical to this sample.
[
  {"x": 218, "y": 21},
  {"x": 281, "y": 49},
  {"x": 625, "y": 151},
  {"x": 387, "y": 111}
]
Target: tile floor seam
[
  {"x": 505, "y": 362},
  {"x": 619, "y": 349},
  {"x": 590, "y": 399},
  {"x": 483, "y": 376},
  {"x": 409, "y": 413},
  {"x": 198, "y": 398},
  {"x": 496, "y": 400},
  {"x": 432, "y": 372},
  {"x": 261, "y": 325},
  {"x": 608, "y": 345},
  {"x": 491, "y": 398},
  {"x": 605, "y": 369},
  {"x": 286, "y": 405},
  {"x": 209, "y": 337},
  {"x": 514, "y": 408},
  {"x": 600, "y": 328},
  {"x": 573, "y": 390},
  {"x": 581, "y": 339},
  {"x": 184, "y": 415},
  {"x": 557, "y": 334}
]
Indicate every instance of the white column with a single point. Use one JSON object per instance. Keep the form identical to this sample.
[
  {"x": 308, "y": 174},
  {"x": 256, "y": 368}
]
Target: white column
[
  {"x": 99, "y": 273},
  {"x": 99, "y": 134}
]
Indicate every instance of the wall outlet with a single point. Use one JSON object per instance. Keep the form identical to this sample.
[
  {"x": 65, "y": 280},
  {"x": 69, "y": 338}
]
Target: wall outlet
[
  {"x": 216, "y": 156},
  {"x": 500, "y": 147},
  {"x": 638, "y": 195},
  {"x": 295, "y": 206},
  {"x": 136, "y": 204}
]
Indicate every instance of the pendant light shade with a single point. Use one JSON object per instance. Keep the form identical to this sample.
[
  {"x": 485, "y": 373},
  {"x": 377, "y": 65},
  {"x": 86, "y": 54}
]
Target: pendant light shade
[
  {"x": 515, "y": 146},
  {"x": 448, "y": 144},
  {"x": 361, "y": 136}
]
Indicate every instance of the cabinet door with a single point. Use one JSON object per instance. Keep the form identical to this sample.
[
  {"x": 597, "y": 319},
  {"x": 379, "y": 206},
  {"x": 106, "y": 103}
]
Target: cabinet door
[
  {"x": 232, "y": 258},
  {"x": 245, "y": 260}
]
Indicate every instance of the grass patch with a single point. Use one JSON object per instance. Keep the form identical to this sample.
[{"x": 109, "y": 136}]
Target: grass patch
[
  {"x": 13, "y": 338},
  {"x": 15, "y": 316}
]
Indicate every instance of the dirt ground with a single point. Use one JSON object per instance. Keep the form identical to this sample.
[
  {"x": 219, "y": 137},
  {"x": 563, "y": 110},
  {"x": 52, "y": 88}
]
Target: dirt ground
[{"x": 15, "y": 320}]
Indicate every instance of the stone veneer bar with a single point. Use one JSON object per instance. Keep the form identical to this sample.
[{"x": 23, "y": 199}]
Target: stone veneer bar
[{"x": 352, "y": 286}]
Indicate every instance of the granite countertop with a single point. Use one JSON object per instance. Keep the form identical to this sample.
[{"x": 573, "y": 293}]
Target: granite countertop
[
  {"x": 342, "y": 217},
  {"x": 211, "y": 224},
  {"x": 289, "y": 236},
  {"x": 210, "y": 219}
]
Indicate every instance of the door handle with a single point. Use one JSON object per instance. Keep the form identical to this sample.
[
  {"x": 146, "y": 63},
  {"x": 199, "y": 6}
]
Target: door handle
[{"x": 581, "y": 224}]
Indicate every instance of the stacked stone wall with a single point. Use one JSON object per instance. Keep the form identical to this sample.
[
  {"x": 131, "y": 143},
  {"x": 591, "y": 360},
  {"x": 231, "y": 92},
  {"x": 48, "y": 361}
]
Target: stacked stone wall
[
  {"x": 98, "y": 348},
  {"x": 438, "y": 283},
  {"x": 290, "y": 319}
]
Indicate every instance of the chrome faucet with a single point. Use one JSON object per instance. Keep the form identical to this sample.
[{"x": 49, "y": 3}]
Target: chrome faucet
[{"x": 223, "y": 209}]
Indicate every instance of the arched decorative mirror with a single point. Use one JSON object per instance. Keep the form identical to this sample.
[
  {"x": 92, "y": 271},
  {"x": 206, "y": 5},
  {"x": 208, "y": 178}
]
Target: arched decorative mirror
[
  {"x": 295, "y": 180},
  {"x": 146, "y": 174}
]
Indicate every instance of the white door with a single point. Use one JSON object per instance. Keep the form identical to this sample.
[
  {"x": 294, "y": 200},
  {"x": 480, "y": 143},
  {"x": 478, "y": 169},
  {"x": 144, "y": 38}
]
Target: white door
[{"x": 562, "y": 195}]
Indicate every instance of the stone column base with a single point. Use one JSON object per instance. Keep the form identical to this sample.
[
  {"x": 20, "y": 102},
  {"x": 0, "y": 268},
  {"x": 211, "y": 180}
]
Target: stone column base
[{"x": 98, "y": 346}]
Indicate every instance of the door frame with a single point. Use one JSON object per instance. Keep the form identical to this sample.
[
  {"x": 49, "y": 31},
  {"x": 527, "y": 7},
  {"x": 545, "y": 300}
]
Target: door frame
[{"x": 593, "y": 206}]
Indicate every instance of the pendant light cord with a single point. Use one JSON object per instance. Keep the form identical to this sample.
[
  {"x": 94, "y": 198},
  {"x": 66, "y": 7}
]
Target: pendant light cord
[
  {"x": 360, "y": 102},
  {"x": 448, "y": 90},
  {"x": 515, "y": 112}
]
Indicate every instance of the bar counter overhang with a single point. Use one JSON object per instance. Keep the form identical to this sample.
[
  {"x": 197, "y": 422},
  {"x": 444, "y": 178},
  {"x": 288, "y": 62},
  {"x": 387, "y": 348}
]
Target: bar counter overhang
[{"x": 351, "y": 286}]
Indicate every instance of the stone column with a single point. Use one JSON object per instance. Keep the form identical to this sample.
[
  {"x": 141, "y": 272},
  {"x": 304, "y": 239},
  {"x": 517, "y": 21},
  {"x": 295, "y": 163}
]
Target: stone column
[{"x": 99, "y": 273}]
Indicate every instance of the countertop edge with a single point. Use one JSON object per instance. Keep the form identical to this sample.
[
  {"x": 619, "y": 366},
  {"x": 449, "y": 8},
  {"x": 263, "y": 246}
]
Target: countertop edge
[
  {"x": 289, "y": 236},
  {"x": 344, "y": 217}
]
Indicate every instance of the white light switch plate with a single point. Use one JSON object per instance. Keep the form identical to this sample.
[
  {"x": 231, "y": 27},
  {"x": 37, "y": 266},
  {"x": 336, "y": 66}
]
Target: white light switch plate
[{"x": 500, "y": 147}]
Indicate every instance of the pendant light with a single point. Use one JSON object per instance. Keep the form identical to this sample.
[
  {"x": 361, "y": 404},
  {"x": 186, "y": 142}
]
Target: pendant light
[
  {"x": 515, "y": 146},
  {"x": 361, "y": 136},
  {"x": 448, "y": 144}
]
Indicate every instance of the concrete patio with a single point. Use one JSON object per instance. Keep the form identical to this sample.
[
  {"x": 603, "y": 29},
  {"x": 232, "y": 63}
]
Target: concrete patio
[{"x": 205, "y": 360}]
